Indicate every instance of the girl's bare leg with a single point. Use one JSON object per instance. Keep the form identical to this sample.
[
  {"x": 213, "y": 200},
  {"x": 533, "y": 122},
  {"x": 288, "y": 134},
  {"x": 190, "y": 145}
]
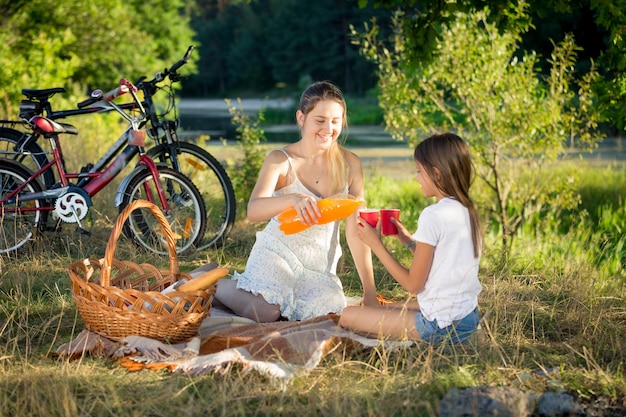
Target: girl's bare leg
[
  {"x": 386, "y": 322},
  {"x": 409, "y": 305},
  {"x": 244, "y": 303}
]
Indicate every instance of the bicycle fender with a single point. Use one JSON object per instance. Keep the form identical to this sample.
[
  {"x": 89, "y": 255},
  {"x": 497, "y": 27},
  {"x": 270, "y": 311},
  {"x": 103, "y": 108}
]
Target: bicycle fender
[
  {"x": 121, "y": 190},
  {"x": 124, "y": 184}
]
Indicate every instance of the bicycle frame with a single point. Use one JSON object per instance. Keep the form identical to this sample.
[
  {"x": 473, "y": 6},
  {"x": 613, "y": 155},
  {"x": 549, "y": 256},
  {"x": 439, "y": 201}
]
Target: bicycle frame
[
  {"x": 208, "y": 181},
  {"x": 38, "y": 103},
  {"x": 100, "y": 174},
  {"x": 98, "y": 179}
]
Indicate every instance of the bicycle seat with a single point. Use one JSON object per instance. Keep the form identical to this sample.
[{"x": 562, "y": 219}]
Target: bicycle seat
[
  {"x": 46, "y": 93},
  {"x": 46, "y": 126}
]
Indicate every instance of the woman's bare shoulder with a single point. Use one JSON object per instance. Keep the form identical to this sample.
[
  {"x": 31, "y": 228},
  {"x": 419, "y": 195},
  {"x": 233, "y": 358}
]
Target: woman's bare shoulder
[
  {"x": 353, "y": 159},
  {"x": 276, "y": 156}
]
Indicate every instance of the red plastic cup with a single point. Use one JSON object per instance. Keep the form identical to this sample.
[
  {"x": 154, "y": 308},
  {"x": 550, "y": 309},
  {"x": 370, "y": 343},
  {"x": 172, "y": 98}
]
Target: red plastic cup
[
  {"x": 370, "y": 215},
  {"x": 387, "y": 227}
]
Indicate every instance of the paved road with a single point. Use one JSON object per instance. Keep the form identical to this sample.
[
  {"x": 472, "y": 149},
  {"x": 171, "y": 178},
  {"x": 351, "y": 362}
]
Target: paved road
[
  {"x": 218, "y": 107},
  {"x": 394, "y": 157}
]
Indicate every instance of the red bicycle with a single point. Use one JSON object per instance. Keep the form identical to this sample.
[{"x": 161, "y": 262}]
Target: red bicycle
[
  {"x": 25, "y": 204},
  {"x": 20, "y": 143}
]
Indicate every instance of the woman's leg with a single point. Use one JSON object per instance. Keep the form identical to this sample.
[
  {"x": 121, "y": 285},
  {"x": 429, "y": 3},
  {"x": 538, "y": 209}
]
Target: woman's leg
[
  {"x": 244, "y": 303},
  {"x": 393, "y": 322}
]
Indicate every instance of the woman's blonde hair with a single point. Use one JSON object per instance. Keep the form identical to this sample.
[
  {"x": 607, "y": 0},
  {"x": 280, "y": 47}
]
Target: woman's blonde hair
[
  {"x": 338, "y": 168},
  {"x": 450, "y": 155}
]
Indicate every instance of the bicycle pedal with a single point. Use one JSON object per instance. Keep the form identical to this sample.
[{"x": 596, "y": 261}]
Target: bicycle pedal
[{"x": 83, "y": 231}]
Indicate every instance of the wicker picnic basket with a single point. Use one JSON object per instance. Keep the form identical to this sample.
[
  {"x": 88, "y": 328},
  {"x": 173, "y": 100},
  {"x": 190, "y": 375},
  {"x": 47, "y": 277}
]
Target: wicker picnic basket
[{"x": 121, "y": 298}]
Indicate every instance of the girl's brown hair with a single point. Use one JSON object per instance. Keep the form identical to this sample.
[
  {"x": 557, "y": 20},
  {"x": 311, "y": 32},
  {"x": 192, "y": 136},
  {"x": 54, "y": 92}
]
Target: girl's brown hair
[
  {"x": 450, "y": 155},
  {"x": 338, "y": 169}
]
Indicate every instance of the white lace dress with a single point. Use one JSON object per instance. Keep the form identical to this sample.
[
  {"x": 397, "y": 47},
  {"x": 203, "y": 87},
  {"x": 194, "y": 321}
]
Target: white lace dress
[{"x": 297, "y": 272}]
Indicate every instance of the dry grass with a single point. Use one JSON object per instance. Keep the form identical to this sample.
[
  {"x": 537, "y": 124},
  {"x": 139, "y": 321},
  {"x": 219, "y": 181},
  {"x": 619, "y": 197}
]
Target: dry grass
[{"x": 552, "y": 322}]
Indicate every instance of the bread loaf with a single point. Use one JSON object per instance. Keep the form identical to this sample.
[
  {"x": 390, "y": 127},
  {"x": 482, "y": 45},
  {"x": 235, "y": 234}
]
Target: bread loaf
[{"x": 204, "y": 280}]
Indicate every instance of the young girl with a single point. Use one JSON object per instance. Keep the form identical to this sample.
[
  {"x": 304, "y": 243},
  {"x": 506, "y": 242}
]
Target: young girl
[
  {"x": 446, "y": 252},
  {"x": 294, "y": 276}
]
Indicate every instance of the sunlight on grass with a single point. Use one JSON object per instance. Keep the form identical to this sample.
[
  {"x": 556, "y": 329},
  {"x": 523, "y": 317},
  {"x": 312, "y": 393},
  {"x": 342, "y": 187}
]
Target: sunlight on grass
[{"x": 554, "y": 319}]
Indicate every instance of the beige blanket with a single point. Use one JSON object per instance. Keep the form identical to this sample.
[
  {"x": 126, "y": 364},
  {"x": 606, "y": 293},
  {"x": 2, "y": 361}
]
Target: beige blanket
[{"x": 280, "y": 350}]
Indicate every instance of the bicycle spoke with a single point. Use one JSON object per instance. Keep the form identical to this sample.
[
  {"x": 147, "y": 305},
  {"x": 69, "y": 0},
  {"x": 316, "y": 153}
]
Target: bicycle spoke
[
  {"x": 206, "y": 173},
  {"x": 186, "y": 214},
  {"x": 19, "y": 219}
]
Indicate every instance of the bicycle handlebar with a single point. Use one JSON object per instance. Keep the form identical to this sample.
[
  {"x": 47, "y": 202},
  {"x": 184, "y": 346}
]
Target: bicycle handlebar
[
  {"x": 126, "y": 85},
  {"x": 97, "y": 95},
  {"x": 171, "y": 72},
  {"x": 182, "y": 61}
]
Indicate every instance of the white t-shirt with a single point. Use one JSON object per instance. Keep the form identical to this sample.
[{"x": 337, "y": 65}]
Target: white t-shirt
[{"x": 452, "y": 288}]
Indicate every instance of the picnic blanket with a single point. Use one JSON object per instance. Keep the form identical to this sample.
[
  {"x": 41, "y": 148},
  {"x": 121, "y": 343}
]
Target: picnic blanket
[{"x": 280, "y": 350}]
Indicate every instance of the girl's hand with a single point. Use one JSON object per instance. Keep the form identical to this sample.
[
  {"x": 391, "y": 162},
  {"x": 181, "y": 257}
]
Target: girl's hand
[
  {"x": 368, "y": 234},
  {"x": 403, "y": 235}
]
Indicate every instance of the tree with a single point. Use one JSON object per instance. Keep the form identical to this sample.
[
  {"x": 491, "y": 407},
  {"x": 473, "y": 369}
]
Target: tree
[
  {"x": 214, "y": 28},
  {"x": 256, "y": 45},
  {"x": 481, "y": 85},
  {"x": 51, "y": 43},
  {"x": 598, "y": 24},
  {"x": 247, "y": 58}
]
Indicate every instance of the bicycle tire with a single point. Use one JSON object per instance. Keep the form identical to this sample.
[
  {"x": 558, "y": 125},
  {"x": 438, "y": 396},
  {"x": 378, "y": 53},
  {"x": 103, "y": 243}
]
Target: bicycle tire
[
  {"x": 18, "y": 228},
  {"x": 214, "y": 185},
  {"x": 187, "y": 216},
  {"x": 34, "y": 157}
]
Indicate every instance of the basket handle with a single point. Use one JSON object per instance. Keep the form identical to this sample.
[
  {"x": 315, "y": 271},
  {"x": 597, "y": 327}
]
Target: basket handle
[{"x": 105, "y": 275}]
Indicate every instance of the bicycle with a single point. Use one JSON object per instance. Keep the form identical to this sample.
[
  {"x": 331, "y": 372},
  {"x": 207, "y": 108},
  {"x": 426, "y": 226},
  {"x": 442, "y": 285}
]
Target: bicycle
[
  {"x": 25, "y": 203},
  {"x": 202, "y": 168}
]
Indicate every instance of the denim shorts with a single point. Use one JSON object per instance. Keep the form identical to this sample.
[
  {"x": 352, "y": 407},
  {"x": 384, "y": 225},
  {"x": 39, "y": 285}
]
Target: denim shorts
[{"x": 458, "y": 331}]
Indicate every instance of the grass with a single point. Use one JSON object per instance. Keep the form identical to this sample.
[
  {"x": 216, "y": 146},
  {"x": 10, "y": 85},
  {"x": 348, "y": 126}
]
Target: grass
[{"x": 555, "y": 319}]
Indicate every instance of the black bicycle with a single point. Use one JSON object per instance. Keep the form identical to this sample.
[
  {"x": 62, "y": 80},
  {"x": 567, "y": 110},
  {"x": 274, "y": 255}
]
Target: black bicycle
[
  {"x": 202, "y": 168},
  {"x": 26, "y": 205}
]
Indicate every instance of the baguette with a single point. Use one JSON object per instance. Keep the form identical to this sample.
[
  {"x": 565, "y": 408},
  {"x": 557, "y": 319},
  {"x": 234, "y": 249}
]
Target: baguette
[{"x": 204, "y": 280}]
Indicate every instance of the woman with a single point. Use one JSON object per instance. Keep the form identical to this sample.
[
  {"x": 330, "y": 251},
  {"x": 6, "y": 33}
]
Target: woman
[{"x": 294, "y": 276}]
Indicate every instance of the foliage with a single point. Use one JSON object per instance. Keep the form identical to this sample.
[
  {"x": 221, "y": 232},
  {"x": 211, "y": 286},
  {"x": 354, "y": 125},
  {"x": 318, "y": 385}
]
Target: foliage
[
  {"x": 598, "y": 24},
  {"x": 424, "y": 18},
  {"x": 268, "y": 45},
  {"x": 599, "y": 224},
  {"x": 481, "y": 87},
  {"x": 52, "y": 43},
  {"x": 38, "y": 65},
  {"x": 250, "y": 135}
]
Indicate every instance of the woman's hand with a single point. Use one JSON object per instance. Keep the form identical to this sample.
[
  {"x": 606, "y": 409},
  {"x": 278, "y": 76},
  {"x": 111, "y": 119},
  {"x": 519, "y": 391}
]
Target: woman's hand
[{"x": 307, "y": 208}]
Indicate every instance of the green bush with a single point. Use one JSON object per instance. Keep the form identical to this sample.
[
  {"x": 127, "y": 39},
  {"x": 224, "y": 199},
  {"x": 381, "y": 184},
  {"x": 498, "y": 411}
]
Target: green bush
[{"x": 250, "y": 135}]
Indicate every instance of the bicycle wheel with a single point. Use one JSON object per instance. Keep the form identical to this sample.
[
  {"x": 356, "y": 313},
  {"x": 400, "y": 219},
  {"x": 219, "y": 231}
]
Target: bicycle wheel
[
  {"x": 20, "y": 219},
  {"x": 32, "y": 158},
  {"x": 211, "y": 179},
  {"x": 186, "y": 217}
]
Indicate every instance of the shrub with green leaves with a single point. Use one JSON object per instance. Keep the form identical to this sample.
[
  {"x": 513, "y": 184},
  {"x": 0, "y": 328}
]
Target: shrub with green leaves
[
  {"x": 481, "y": 85},
  {"x": 250, "y": 135}
]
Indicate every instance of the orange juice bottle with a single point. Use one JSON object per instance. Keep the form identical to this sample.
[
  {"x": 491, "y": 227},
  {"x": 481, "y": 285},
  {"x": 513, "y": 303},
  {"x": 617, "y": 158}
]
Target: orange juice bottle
[{"x": 333, "y": 208}]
